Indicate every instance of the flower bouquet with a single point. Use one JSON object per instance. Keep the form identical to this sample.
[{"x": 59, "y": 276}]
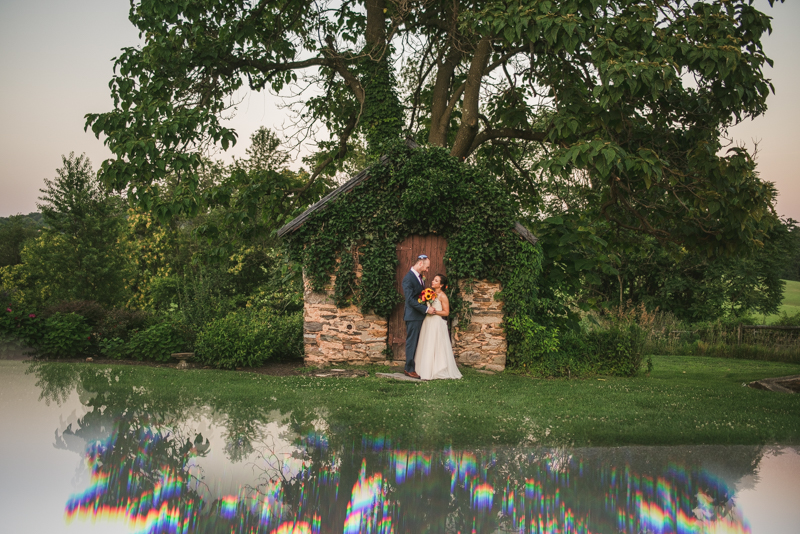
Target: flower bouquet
[{"x": 427, "y": 296}]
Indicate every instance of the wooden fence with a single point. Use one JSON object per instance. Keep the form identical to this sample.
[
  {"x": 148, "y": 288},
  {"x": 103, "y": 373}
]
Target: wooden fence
[{"x": 743, "y": 327}]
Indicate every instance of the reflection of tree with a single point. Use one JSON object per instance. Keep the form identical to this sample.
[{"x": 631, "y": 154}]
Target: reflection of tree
[
  {"x": 238, "y": 444},
  {"x": 57, "y": 381},
  {"x": 140, "y": 454},
  {"x": 135, "y": 440},
  {"x": 142, "y": 475},
  {"x": 136, "y": 449}
]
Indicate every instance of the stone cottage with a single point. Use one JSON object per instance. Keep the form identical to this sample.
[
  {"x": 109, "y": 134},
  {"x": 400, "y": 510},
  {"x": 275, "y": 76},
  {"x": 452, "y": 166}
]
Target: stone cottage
[{"x": 344, "y": 335}]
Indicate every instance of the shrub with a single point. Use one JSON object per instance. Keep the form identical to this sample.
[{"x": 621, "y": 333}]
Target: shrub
[
  {"x": 612, "y": 350},
  {"x": 202, "y": 299},
  {"x": 788, "y": 320},
  {"x": 248, "y": 338},
  {"x": 163, "y": 292},
  {"x": 536, "y": 343},
  {"x": 155, "y": 343},
  {"x": 122, "y": 323},
  {"x": 618, "y": 350},
  {"x": 90, "y": 310},
  {"x": 20, "y": 324},
  {"x": 114, "y": 348},
  {"x": 65, "y": 335}
]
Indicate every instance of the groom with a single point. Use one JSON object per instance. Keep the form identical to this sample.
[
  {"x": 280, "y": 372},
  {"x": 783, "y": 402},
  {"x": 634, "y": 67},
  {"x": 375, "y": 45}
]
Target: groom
[{"x": 413, "y": 284}]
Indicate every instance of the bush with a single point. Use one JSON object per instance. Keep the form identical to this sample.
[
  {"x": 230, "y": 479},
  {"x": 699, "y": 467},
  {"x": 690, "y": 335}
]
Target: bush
[
  {"x": 248, "y": 338},
  {"x": 202, "y": 299},
  {"x": 122, "y": 323},
  {"x": 536, "y": 342},
  {"x": 163, "y": 292},
  {"x": 20, "y": 324},
  {"x": 90, "y": 310},
  {"x": 114, "y": 348},
  {"x": 612, "y": 350},
  {"x": 788, "y": 320},
  {"x": 618, "y": 351},
  {"x": 65, "y": 335},
  {"x": 156, "y": 343}
]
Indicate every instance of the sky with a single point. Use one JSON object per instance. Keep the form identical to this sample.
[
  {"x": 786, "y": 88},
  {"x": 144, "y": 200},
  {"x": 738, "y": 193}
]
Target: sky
[{"x": 56, "y": 62}]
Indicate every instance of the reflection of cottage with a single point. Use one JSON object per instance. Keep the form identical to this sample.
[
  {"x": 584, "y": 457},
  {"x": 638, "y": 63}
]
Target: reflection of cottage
[{"x": 346, "y": 335}]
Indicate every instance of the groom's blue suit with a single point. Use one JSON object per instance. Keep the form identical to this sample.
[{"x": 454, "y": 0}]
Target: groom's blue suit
[{"x": 414, "y": 315}]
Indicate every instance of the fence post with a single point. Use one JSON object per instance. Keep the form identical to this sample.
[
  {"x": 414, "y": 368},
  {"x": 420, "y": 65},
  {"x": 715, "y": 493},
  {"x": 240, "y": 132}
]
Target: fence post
[{"x": 739, "y": 334}]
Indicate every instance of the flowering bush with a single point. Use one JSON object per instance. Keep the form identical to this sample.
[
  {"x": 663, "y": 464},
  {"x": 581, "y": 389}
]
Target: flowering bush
[{"x": 17, "y": 323}]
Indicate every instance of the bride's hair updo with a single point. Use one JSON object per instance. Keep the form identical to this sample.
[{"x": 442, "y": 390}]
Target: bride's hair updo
[{"x": 442, "y": 281}]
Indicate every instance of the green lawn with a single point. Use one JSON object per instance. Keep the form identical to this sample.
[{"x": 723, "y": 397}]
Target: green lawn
[
  {"x": 685, "y": 400},
  {"x": 790, "y": 304}
]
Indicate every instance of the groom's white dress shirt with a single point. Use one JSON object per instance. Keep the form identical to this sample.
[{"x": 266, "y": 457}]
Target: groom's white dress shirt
[{"x": 419, "y": 277}]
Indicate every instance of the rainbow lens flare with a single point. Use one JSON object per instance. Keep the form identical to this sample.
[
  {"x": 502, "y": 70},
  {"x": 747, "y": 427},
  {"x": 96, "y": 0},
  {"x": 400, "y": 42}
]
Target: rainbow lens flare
[{"x": 142, "y": 476}]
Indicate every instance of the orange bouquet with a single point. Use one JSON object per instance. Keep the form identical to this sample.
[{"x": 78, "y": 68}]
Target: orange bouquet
[{"x": 427, "y": 296}]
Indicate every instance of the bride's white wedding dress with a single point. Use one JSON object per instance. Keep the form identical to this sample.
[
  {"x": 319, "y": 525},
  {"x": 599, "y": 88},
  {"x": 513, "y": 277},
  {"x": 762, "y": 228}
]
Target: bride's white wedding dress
[{"x": 434, "y": 358}]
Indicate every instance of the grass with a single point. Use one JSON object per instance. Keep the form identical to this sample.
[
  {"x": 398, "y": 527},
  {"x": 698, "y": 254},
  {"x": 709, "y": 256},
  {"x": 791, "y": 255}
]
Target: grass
[
  {"x": 685, "y": 400},
  {"x": 790, "y": 304}
]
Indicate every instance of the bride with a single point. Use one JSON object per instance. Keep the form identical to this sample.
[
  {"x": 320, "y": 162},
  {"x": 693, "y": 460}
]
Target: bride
[{"x": 434, "y": 357}]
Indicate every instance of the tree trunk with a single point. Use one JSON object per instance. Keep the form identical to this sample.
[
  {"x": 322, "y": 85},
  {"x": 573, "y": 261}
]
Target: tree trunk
[
  {"x": 440, "y": 111},
  {"x": 469, "y": 115},
  {"x": 382, "y": 114},
  {"x": 376, "y": 27}
]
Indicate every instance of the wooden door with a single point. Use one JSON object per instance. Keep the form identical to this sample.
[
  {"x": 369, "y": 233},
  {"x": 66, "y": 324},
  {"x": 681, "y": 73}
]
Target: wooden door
[{"x": 407, "y": 251}]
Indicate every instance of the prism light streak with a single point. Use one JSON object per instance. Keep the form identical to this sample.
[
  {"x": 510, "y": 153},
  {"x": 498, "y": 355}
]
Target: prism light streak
[
  {"x": 407, "y": 463},
  {"x": 368, "y": 511},
  {"x": 157, "y": 496}
]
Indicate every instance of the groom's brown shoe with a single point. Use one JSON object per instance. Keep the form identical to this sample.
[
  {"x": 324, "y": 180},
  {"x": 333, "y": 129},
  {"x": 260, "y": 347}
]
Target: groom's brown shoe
[{"x": 412, "y": 374}]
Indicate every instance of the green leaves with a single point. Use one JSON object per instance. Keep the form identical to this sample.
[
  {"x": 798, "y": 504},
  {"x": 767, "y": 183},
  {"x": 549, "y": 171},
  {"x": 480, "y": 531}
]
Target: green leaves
[
  {"x": 249, "y": 338},
  {"x": 604, "y": 81},
  {"x": 64, "y": 335},
  {"x": 420, "y": 191}
]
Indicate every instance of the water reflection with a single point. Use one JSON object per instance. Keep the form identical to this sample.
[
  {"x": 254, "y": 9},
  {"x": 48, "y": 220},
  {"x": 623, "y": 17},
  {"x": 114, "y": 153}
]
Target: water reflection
[{"x": 156, "y": 467}]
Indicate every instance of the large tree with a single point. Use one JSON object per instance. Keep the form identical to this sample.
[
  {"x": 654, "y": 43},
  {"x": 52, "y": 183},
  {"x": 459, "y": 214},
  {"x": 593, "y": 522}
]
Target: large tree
[
  {"x": 633, "y": 95},
  {"x": 78, "y": 254}
]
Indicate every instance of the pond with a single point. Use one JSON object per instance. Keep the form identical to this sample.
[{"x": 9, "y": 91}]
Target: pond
[{"x": 84, "y": 452}]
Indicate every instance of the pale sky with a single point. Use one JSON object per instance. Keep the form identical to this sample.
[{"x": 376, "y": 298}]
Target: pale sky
[{"x": 56, "y": 62}]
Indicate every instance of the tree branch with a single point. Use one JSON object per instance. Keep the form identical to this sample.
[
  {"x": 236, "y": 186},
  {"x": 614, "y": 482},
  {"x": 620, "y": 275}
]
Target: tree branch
[
  {"x": 440, "y": 106},
  {"x": 505, "y": 133},
  {"x": 469, "y": 116},
  {"x": 341, "y": 153},
  {"x": 338, "y": 65}
]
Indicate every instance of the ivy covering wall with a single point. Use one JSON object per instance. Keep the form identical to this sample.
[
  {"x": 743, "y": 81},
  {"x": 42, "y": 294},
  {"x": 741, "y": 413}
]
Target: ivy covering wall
[{"x": 417, "y": 192}]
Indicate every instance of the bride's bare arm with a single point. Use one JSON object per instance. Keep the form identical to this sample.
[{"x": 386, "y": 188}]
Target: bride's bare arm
[{"x": 445, "y": 306}]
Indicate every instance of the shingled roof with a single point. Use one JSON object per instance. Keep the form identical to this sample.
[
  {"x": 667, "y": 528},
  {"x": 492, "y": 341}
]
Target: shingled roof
[
  {"x": 524, "y": 233},
  {"x": 351, "y": 184}
]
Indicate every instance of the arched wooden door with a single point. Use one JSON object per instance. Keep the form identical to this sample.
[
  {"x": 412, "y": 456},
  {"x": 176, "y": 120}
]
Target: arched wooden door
[{"x": 407, "y": 251}]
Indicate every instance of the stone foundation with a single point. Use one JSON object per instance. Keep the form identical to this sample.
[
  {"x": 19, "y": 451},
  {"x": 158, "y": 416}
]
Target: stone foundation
[
  {"x": 482, "y": 343},
  {"x": 340, "y": 335},
  {"x": 346, "y": 336}
]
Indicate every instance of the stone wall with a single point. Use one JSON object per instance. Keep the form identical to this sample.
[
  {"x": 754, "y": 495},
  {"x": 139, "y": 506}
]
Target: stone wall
[
  {"x": 340, "y": 335},
  {"x": 482, "y": 343}
]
